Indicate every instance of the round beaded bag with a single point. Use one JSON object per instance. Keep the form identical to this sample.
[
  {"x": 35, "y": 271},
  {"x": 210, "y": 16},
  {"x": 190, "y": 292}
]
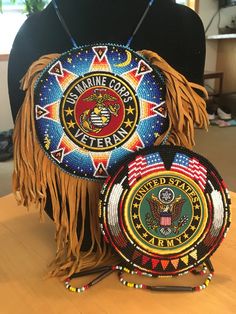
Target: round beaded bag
[
  {"x": 96, "y": 105},
  {"x": 165, "y": 212}
]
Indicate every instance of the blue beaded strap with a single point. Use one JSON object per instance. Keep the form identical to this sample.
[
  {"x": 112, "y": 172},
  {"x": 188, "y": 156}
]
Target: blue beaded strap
[
  {"x": 63, "y": 23},
  {"x": 140, "y": 22}
]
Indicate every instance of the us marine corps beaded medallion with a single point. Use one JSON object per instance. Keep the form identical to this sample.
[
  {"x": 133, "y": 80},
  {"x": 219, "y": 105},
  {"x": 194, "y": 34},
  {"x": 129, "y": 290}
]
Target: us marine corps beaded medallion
[{"x": 95, "y": 105}]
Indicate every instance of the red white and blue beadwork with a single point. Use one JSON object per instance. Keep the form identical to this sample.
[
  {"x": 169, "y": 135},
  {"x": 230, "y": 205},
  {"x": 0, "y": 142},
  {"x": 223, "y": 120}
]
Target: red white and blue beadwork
[
  {"x": 165, "y": 211},
  {"x": 95, "y": 105}
]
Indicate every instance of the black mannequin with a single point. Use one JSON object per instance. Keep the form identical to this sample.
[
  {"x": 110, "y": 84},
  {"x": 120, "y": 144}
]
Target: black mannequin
[{"x": 173, "y": 31}]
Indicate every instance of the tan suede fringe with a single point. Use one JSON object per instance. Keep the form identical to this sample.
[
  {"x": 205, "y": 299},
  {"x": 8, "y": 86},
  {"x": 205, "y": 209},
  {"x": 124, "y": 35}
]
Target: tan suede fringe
[
  {"x": 185, "y": 107},
  {"x": 34, "y": 173}
]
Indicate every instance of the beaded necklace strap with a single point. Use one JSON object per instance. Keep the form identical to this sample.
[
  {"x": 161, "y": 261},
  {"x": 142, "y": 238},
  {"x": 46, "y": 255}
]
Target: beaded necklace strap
[
  {"x": 104, "y": 272},
  {"x": 150, "y": 3},
  {"x": 205, "y": 266},
  {"x": 64, "y": 25},
  {"x": 164, "y": 288},
  {"x": 107, "y": 270}
]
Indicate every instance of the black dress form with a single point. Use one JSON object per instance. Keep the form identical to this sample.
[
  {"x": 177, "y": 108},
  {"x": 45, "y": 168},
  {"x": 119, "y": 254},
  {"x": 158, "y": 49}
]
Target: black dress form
[{"x": 174, "y": 31}]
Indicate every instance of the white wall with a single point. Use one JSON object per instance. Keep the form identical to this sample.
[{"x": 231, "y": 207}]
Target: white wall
[
  {"x": 226, "y": 16},
  {"x": 207, "y": 8},
  {"x": 5, "y": 112}
]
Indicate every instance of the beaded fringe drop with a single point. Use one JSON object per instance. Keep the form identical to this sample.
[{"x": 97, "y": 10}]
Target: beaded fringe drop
[{"x": 35, "y": 175}]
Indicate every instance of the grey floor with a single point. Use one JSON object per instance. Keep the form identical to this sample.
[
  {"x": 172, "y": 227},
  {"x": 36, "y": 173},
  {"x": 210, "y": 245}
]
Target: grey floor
[{"x": 218, "y": 145}]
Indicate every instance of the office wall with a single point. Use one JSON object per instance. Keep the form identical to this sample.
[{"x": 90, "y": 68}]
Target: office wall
[
  {"x": 207, "y": 9},
  {"x": 5, "y": 114}
]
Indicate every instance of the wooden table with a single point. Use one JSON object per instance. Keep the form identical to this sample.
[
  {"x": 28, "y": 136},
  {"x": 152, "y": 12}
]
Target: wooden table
[{"x": 27, "y": 247}]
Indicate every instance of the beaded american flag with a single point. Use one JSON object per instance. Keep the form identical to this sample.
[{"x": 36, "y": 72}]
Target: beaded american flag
[{"x": 165, "y": 211}]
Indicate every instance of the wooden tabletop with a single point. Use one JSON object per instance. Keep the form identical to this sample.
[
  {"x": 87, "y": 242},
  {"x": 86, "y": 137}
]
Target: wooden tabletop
[{"x": 27, "y": 246}]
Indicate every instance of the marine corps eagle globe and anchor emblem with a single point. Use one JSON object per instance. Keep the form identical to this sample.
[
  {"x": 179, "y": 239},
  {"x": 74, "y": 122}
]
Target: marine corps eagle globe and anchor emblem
[
  {"x": 94, "y": 120},
  {"x": 104, "y": 112}
]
